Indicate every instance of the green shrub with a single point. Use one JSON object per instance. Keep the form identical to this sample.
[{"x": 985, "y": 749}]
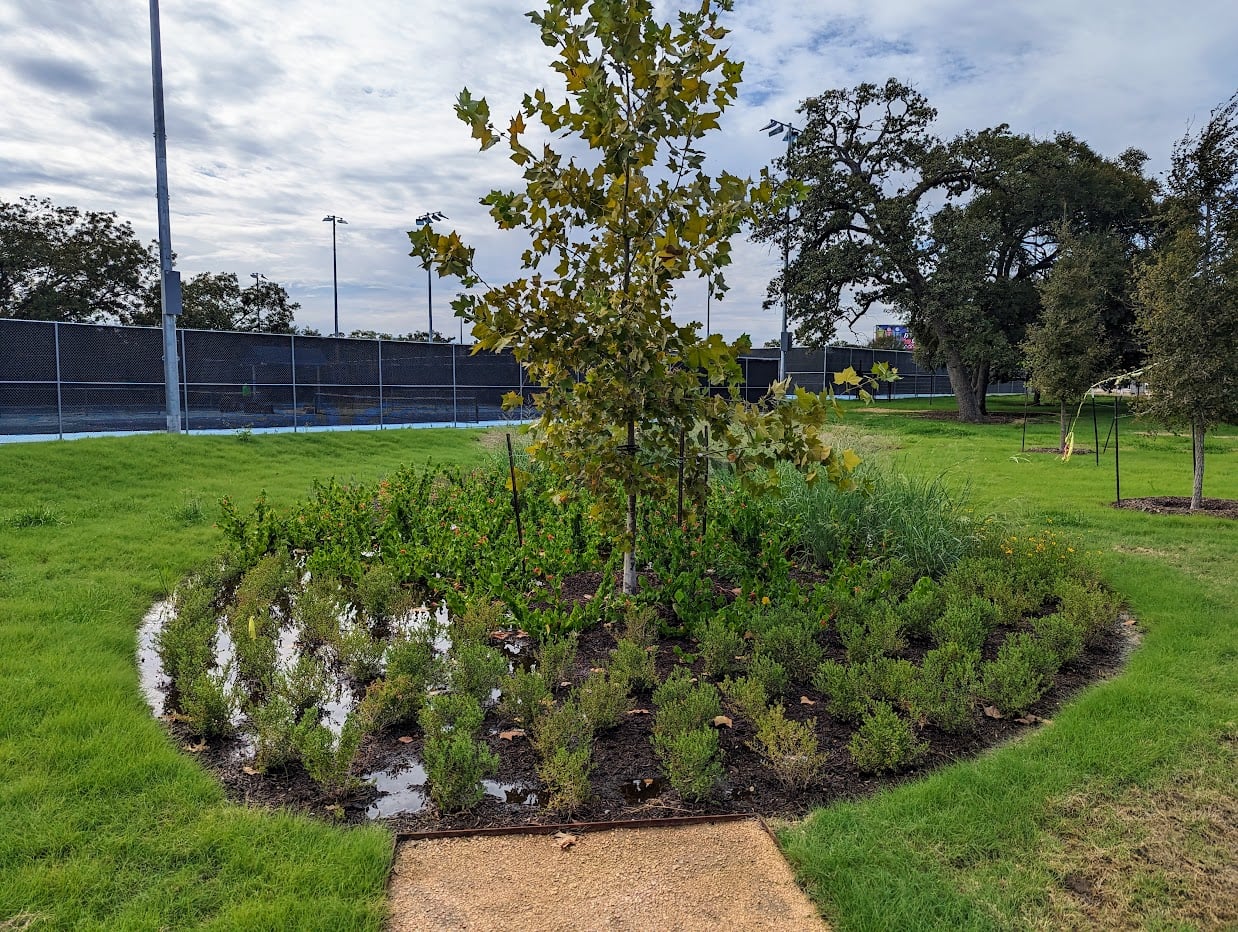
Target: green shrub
[
  {"x": 896, "y": 681},
  {"x": 556, "y": 657},
  {"x": 412, "y": 655},
  {"x": 690, "y": 759},
  {"x": 524, "y": 695},
  {"x": 632, "y": 666},
  {"x": 1018, "y": 676},
  {"x": 877, "y": 633},
  {"x": 1087, "y": 606},
  {"x": 304, "y": 684},
  {"x": 476, "y": 670},
  {"x": 560, "y": 726},
  {"x": 745, "y": 696},
  {"x": 379, "y": 596},
  {"x": 885, "y": 741},
  {"x": 265, "y": 584},
  {"x": 997, "y": 581},
  {"x": 793, "y": 645},
  {"x": 947, "y": 683},
  {"x": 1059, "y": 634},
  {"x": 640, "y": 624},
  {"x": 923, "y": 605},
  {"x": 683, "y": 705},
  {"x": 209, "y": 702},
  {"x": 274, "y": 724},
  {"x": 789, "y": 748},
  {"x": 602, "y": 701},
  {"x": 318, "y": 609},
  {"x": 327, "y": 757},
  {"x": 966, "y": 622},
  {"x": 565, "y": 774},
  {"x": 846, "y": 689},
  {"x": 359, "y": 654},
  {"x": 186, "y": 642},
  {"x": 456, "y": 762},
  {"x": 720, "y": 644},
  {"x": 770, "y": 674},
  {"x": 479, "y": 618}
]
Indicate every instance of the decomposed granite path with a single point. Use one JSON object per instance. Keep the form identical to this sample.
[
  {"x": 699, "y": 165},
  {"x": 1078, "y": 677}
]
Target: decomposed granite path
[{"x": 717, "y": 876}]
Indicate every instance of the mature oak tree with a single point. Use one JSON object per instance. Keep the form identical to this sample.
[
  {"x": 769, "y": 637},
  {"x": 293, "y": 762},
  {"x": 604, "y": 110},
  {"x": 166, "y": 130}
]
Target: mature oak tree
[
  {"x": 216, "y": 301},
  {"x": 66, "y": 264},
  {"x": 953, "y": 234}
]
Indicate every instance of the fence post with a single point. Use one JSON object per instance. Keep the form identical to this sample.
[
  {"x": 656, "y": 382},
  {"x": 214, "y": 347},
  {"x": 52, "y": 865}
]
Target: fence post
[
  {"x": 59, "y": 401},
  {"x": 380, "y": 382},
  {"x": 292, "y": 352},
  {"x": 184, "y": 379}
]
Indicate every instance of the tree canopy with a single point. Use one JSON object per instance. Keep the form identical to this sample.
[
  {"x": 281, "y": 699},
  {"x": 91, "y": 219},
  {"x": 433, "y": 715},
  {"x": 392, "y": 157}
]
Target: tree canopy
[
  {"x": 63, "y": 263},
  {"x": 1188, "y": 290},
  {"x": 619, "y": 207}
]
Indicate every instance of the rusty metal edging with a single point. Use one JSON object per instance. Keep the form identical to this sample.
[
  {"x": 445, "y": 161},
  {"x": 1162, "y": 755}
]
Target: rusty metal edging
[{"x": 552, "y": 827}]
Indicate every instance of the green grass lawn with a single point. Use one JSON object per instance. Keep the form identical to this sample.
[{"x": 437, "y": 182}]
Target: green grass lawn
[{"x": 104, "y": 823}]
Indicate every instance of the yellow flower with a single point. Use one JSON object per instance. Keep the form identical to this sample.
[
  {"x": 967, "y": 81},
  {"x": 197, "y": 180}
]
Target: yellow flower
[{"x": 765, "y": 600}]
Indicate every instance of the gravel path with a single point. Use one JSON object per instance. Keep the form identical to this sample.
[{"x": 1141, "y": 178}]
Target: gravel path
[{"x": 712, "y": 877}]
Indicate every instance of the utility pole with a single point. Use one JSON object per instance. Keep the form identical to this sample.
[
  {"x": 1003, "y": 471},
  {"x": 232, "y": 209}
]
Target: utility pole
[{"x": 169, "y": 278}]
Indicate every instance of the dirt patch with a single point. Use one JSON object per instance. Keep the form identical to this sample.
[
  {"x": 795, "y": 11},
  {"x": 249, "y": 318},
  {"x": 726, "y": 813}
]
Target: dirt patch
[
  {"x": 718, "y": 876},
  {"x": 1057, "y": 451},
  {"x": 1177, "y": 505},
  {"x": 1151, "y": 857}
]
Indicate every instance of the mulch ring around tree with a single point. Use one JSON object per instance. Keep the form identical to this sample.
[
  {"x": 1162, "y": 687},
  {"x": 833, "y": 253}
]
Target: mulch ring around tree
[
  {"x": 1057, "y": 451},
  {"x": 1181, "y": 505},
  {"x": 627, "y": 782}
]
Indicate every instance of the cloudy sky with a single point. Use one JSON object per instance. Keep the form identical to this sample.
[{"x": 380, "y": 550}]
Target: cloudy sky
[{"x": 282, "y": 112}]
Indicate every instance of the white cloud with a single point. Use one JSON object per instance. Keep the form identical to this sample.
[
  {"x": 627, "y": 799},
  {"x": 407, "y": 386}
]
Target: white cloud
[{"x": 283, "y": 112}]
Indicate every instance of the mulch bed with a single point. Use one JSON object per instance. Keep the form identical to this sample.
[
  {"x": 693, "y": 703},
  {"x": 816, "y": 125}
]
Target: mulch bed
[
  {"x": 1179, "y": 505},
  {"x": 626, "y": 780}
]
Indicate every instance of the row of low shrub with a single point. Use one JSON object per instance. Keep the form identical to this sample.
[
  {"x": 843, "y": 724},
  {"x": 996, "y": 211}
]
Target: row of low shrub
[{"x": 892, "y": 643}]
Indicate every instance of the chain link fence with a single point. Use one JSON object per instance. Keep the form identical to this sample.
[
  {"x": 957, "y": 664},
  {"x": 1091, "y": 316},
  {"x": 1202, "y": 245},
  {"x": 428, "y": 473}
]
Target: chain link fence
[{"x": 58, "y": 379}]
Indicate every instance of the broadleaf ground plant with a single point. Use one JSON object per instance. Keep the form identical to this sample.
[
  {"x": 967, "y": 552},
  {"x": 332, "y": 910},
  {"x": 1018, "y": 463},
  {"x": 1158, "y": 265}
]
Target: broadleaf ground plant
[{"x": 619, "y": 208}]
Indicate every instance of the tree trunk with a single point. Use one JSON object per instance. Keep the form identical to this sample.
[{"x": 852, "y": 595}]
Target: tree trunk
[
  {"x": 1063, "y": 423},
  {"x": 1197, "y": 488},
  {"x": 629, "y": 554},
  {"x": 964, "y": 390},
  {"x": 980, "y": 381}
]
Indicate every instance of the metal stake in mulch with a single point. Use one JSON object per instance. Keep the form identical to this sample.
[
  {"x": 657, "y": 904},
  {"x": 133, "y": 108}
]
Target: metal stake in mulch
[
  {"x": 1117, "y": 473},
  {"x": 511, "y": 465}
]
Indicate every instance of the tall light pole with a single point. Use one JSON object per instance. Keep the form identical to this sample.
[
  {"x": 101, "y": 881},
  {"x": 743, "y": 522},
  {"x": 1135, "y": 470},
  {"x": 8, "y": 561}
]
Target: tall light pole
[
  {"x": 789, "y": 133},
  {"x": 335, "y": 278},
  {"x": 432, "y": 217},
  {"x": 257, "y": 277},
  {"x": 169, "y": 278}
]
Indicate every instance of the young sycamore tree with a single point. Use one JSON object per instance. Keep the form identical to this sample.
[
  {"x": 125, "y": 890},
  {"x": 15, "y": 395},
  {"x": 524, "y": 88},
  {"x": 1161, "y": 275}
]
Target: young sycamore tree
[
  {"x": 616, "y": 215},
  {"x": 1188, "y": 293}
]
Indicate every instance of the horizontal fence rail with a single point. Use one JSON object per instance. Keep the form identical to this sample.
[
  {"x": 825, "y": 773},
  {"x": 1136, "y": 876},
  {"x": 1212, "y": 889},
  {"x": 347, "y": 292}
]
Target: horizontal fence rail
[{"x": 58, "y": 379}]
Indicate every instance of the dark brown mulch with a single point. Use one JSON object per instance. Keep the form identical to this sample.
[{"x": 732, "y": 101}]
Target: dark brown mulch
[
  {"x": 626, "y": 780},
  {"x": 1078, "y": 451},
  {"x": 1180, "y": 505}
]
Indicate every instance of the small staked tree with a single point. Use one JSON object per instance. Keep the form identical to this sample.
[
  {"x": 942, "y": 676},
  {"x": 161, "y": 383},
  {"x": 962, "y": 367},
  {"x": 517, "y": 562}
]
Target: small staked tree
[
  {"x": 618, "y": 208},
  {"x": 1188, "y": 292},
  {"x": 1068, "y": 350}
]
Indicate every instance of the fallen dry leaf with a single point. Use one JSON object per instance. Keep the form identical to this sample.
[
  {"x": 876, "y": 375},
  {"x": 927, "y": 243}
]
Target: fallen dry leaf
[
  {"x": 1031, "y": 719},
  {"x": 564, "y": 840},
  {"x": 721, "y": 721},
  {"x": 500, "y": 635},
  {"x": 521, "y": 633},
  {"x": 597, "y": 669},
  {"x": 511, "y": 733},
  {"x": 992, "y": 712},
  {"x": 405, "y": 739},
  {"x": 639, "y": 712},
  {"x": 195, "y": 748},
  {"x": 737, "y": 591},
  {"x": 804, "y": 700},
  {"x": 565, "y": 684},
  {"x": 250, "y": 771},
  {"x": 1128, "y": 622},
  {"x": 175, "y": 717}
]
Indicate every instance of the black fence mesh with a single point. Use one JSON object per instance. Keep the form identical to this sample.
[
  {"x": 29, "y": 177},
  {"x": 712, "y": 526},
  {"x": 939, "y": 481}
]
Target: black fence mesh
[{"x": 89, "y": 378}]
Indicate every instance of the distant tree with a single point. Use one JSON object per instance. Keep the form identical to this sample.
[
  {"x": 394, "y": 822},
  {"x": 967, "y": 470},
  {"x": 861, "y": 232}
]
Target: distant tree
[
  {"x": 615, "y": 225},
  {"x": 417, "y": 336},
  {"x": 65, "y": 264},
  {"x": 216, "y": 301},
  {"x": 1188, "y": 292},
  {"x": 1069, "y": 349},
  {"x": 954, "y": 234},
  {"x": 886, "y": 341}
]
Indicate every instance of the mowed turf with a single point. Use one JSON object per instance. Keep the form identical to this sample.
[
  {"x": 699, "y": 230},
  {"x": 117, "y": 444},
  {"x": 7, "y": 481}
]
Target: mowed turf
[{"x": 104, "y": 823}]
